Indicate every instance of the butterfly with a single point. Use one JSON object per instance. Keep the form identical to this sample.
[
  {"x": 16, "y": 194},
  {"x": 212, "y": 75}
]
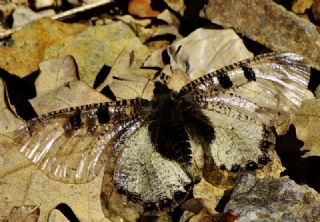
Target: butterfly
[{"x": 148, "y": 144}]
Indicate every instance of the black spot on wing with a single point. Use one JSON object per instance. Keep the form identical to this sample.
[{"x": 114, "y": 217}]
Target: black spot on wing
[
  {"x": 119, "y": 103},
  {"x": 91, "y": 122},
  {"x": 164, "y": 203},
  {"x": 265, "y": 144},
  {"x": 73, "y": 123},
  {"x": 149, "y": 206},
  {"x": 263, "y": 160},
  {"x": 251, "y": 165},
  {"x": 224, "y": 80},
  {"x": 235, "y": 168},
  {"x": 75, "y": 120},
  {"x": 248, "y": 73},
  {"x": 31, "y": 126},
  {"x": 103, "y": 114},
  {"x": 162, "y": 76}
]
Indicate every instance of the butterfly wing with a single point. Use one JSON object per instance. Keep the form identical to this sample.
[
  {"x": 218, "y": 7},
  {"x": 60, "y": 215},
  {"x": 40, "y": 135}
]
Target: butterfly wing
[
  {"x": 70, "y": 145},
  {"x": 244, "y": 100},
  {"x": 151, "y": 180},
  {"x": 267, "y": 86}
]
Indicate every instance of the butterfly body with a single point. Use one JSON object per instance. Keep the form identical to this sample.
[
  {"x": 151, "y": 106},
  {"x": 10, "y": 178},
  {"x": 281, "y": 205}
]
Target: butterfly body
[{"x": 148, "y": 145}]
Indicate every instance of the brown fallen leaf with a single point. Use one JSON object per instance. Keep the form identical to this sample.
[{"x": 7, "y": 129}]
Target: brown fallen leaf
[
  {"x": 307, "y": 123},
  {"x": 100, "y": 45},
  {"x": 141, "y": 8},
  {"x": 30, "y": 43},
  {"x": 203, "y": 216}
]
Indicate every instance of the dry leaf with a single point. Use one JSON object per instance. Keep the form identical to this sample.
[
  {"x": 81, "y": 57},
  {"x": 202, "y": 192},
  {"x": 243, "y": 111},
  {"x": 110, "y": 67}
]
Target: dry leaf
[
  {"x": 300, "y": 6},
  {"x": 30, "y": 43},
  {"x": 205, "y": 50},
  {"x": 127, "y": 82},
  {"x": 141, "y": 8},
  {"x": 100, "y": 45},
  {"x": 56, "y": 215},
  {"x": 209, "y": 194},
  {"x": 54, "y": 73},
  {"x": 8, "y": 120},
  {"x": 15, "y": 177},
  {"x": 70, "y": 94},
  {"x": 307, "y": 123}
]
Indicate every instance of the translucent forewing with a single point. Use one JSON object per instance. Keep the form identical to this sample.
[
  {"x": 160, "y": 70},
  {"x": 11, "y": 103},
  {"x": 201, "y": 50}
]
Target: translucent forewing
[{"x": 68, "y": 145}]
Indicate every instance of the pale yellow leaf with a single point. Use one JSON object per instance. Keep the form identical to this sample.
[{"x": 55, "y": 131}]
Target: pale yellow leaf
[
  {"x": 307, "y": 123},
  {"x": 54, "y": 73},
  {"x": 209, "y": 194},
  {"x": 205, "y": 50},
  {"x": 70, "y": 94}
]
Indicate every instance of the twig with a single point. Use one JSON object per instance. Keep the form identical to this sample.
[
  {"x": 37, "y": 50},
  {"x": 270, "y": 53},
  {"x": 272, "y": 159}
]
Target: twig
[{"x": 61, "y": 16}]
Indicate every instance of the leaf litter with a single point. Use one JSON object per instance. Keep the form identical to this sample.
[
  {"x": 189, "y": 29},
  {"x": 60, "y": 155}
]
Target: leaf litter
[{"x": 26, "y": 192}]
